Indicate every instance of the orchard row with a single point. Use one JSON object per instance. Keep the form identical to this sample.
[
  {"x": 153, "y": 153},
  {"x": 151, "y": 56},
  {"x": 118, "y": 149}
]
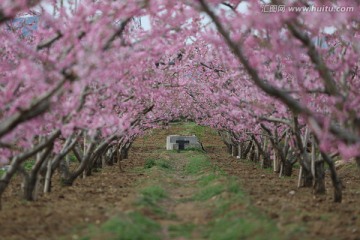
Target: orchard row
[{"x": 88, "y": 79}]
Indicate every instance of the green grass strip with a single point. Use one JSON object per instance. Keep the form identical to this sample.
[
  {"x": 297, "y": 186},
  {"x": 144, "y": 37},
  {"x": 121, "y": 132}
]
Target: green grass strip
[{"x": 134, "y": 226}]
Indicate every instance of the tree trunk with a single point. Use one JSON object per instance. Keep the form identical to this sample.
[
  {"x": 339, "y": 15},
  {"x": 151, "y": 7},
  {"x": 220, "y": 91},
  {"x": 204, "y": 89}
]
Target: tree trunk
[
  {"x": 308, "y": 178},
  {"x": 276, "y": 168},
  {"x": 234, "y": 151},
  {"x": 247, "y": 150},
  {"x": 47, "y": 185},
  {"x": 334, "y": 178},
  {"x": 357, "y": 159},
  {"x": 252, "y": 154},
  {"x": 228, "y": 148},
  {"x": 32, "y": 180},
  {"x": 16, "y": 162},
  {"x": 111, "y": 153},
  {"x": 38, "y": 184},
  {"x": 87, "y": 171},
  {"x": 64, "y": 169},
  {"x": 126, "y": 149},
  {"x": 72, "y": 176},
  {"x": 262, "y": 154},
  {"x": 103, "y": 161},
  {"x": 87, "y": 159},
  {"x": 319, "y": 184},
  {"x": 300, "y": 177},
  {"x": 287, "y": 169}
]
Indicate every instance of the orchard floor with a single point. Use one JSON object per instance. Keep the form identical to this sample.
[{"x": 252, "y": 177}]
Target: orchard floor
[{"x": 188, "y": 195}]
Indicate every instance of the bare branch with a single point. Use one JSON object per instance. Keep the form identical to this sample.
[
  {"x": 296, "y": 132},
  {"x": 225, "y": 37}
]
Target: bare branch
[
  {"x": 315, "y": 56},
  {"x": 38, "y": 107},
  {"x": 228, "y": 5},
  {"x": 277, "y": 120},
  {"x": 287, "y": 99},
  {"x": 116, "y": 34},
  {"x": 215, "y": 69},
  {"x": 293, "y": 104},
  {"x": 49, "y": 42}
]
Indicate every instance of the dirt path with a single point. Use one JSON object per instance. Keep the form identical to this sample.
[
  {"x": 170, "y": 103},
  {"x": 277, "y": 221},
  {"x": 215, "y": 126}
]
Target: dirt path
[
  {"x": 188, "y": 195},
  {"x": 184, "y": 196},
  {"x": 183, "y": 212},
  {"x": 179, "y": 204}
]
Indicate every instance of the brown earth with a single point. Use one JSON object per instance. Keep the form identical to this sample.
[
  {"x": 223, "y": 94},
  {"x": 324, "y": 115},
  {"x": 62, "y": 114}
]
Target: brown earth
[
  {"x": 297, "y": 209},
  {"x": 66, "y": 209},
  {"x": 179, "y": 188},
  {"x": 92, "y": 200}
]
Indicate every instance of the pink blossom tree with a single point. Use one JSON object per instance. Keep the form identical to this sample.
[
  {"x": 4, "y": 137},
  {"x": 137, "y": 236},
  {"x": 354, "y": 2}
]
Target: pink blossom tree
[{"x": 278, "y": 86}]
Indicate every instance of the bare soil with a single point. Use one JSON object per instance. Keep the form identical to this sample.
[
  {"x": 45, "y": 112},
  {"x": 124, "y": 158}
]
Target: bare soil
[
  {"x": 67, "y": 210},
  {"x": 297, "y": 209}
]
